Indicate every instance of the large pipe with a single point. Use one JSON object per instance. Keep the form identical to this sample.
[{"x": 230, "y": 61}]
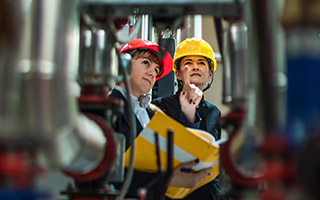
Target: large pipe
[
  {"x": 98, "y": 59},
  {"x": 235, "y": 70},
  {"x": 46, "y": 117},
  {"x": 263, "y": 126},
  {"x": 9, "y": 42}
]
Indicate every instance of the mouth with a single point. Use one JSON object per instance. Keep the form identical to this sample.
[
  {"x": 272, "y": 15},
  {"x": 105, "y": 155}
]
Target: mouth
[
  {"x": 195, "y": 74},
  {"x": 147, "y": 80}
]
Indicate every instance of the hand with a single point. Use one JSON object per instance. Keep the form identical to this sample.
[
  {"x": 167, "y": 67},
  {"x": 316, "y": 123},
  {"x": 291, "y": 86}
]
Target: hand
[
  {"x": 190, "y": 96},
  {"x": 188, "y": 179}
]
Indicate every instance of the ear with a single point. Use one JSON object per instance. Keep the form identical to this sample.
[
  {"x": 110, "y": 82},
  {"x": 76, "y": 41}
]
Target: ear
[
  {"x": 211, "y": 73},
  {"x": 178, "y": 74}
]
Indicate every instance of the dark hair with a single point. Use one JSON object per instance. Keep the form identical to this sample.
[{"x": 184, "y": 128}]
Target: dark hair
[
  {"x": 177, "y": 62},
  {"x": 139, "y": 53}
]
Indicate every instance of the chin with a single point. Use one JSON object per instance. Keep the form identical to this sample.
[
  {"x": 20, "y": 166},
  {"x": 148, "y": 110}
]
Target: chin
[
  {"x": 196, "y": 80},
  {"x": 146, "y": 90}
]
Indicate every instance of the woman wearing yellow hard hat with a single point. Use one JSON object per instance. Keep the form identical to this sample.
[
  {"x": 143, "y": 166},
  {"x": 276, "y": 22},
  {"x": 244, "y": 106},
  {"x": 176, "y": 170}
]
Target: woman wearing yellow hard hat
[{"x": 194, "y": 66}]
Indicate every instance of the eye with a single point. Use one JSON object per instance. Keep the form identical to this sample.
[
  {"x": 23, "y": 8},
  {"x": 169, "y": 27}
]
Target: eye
[
  {"x": 157, "y": 70},
  {"x": 202, "y": 63},
  {"x": 188, "y": 63},
  {"x": 146, "y": 62}
]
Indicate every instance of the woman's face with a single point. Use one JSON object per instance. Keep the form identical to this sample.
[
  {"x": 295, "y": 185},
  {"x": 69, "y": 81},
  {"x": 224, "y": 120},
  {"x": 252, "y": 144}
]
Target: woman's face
[
  {"x": 143, "y": 75},
  {"x": 198, "y": 69}
]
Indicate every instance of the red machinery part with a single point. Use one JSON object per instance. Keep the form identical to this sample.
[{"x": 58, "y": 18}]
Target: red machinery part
[
  {"x": 108, "y": 158},
  {"x": 120, "y": 22},
  {"x": 235, "y": 118},
  {"x": 91, "y": 94},
  {"x": 272, "y": 145},
  {"x": 230, "y": 167},
  {"x": 17, "y": 167}
]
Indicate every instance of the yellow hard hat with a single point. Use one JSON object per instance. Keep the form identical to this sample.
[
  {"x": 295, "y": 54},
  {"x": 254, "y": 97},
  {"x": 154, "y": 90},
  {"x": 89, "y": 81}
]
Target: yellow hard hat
[{"x": 194, "y": 47}]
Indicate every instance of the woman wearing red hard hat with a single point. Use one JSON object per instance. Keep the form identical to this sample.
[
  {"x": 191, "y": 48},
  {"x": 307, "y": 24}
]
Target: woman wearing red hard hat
[
  {"x": 148, "y": 66},
  {"x": 149, "y": 63}
]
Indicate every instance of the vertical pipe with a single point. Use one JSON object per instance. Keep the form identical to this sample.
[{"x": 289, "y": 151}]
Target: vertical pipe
[
  {"x": 10, "y": 23},
  {"x": 198, "y": 26},
  {"x": 145, "y": 28},
  {"x": 235, "y": 69},
  {"x": 45, "y": 118},
  {"x": 266, "y": 62}
]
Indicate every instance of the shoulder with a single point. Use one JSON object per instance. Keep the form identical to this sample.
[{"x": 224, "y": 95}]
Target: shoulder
[
  {"x": 212, "y": 107},
  {"x": 165, "y": 101},
  {"x": 169, "y": 105},
  {"x": 117, "y": 94},
  {"x": 154, "y": 108}
]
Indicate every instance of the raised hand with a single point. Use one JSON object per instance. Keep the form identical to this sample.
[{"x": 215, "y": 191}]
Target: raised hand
[
  {"x": 190, "y": 96},
  {"x": 183, "y": 176}
]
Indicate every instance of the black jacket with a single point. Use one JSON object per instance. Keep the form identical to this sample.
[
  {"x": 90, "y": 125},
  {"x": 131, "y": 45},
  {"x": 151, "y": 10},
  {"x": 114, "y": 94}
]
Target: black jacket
[
  {"x": 209, "y": 115},
  {"x": 121, "y": 125}
]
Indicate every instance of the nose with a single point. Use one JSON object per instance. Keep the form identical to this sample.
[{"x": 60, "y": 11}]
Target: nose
[
  {"x": 152, "y": 70},
  {"x": 195, "y": 67}
]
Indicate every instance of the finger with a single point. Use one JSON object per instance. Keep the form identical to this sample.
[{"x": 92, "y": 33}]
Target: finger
[
  {"x": 190, "y": 90},
  {"x": 196, "y": 101},
  {"x": 189, "y": 164},
  {"x": 205, "y": 172},
  {"x": 186, "y": 77},
  {"x": 198, "y": 96},
  {"x": 183, "y": 93},
  {"x": 194, "y": 93}
]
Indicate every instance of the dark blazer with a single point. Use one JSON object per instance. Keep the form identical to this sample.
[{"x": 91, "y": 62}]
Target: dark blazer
[
  {"x": 209, "y": 115},
  {"x": 121, "y": 125}
]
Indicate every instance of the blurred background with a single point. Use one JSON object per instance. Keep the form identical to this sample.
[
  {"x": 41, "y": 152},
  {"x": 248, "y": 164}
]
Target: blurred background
[{"x": 59, "y": 60}]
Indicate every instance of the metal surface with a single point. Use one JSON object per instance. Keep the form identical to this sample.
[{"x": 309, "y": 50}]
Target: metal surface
[
  {"x": 235, "y": 70},
  {"x": 165, "y": 8},
  {"x": 48, "y": 46},
  {"x": 266, "y": 51},
  {"x": 44, "y": 118},
  {"x": 90, "y": 147},
  {"x": 9, "y": 42},
  {"x": 258, "y": 146},
  {"x": 98, "y": 63}
]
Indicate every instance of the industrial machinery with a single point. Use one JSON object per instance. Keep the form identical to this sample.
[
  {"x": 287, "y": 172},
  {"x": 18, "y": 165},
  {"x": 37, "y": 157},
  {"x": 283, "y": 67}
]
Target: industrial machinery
[{"x": 59, "y": 59}]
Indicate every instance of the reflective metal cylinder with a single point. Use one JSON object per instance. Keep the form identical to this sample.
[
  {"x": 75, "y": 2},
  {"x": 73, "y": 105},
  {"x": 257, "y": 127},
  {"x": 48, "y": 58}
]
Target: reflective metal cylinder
[
  {"x": 235, "y": 70},
  {"x": 45, "y": 117},
  {"x": 98, "y": 61}
]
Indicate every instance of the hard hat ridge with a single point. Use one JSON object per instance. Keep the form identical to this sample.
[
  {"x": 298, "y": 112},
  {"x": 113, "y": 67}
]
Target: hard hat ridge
[{"x": 194, "y": 47}]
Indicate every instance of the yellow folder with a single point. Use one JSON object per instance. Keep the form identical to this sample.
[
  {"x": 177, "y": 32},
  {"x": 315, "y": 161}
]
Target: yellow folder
[{"x": 189, "y": 144}]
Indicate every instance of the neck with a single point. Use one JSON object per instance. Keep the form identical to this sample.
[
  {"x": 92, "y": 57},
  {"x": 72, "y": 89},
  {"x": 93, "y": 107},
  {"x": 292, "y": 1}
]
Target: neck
[
  {"x": 136, "y": 94},
  {"x": 133, "y": 91},
  {"x": 201, "y": 87}
]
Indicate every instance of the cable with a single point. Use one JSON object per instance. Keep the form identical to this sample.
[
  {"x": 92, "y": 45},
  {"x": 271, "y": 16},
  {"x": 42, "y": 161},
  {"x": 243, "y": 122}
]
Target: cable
[
  {"x": 209, "y": 84},
  {"x": 132, "y": 124}
]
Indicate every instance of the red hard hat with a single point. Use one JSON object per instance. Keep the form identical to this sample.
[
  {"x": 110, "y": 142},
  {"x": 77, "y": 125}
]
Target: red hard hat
[{"x": 166, "y": 61}]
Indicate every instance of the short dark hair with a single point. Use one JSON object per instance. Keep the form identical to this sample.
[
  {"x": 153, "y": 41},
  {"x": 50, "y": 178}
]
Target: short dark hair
[
  {"x": 138, "y": 53},
  {"x": 178, "y": 61}
]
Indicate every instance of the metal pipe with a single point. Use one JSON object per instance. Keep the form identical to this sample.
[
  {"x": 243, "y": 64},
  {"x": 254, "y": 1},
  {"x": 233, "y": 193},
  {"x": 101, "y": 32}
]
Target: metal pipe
[
  {"x": 45, "y": 116},
  {"x": 266, "y": 51},
  {"x": 97, "y": 63},
  {"x": 235, "y": 70},
  {"x": 9, "y": 42},
  {"x": 261, "y": 131}
]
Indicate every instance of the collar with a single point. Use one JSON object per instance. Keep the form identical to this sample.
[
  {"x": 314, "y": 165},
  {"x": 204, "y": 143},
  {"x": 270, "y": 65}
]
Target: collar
[{"x": 143, "y": 100}]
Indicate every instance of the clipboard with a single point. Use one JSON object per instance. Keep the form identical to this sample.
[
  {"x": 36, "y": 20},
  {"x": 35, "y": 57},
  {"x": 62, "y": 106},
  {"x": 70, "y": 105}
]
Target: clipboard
[{"x": 189, "y": 144}]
